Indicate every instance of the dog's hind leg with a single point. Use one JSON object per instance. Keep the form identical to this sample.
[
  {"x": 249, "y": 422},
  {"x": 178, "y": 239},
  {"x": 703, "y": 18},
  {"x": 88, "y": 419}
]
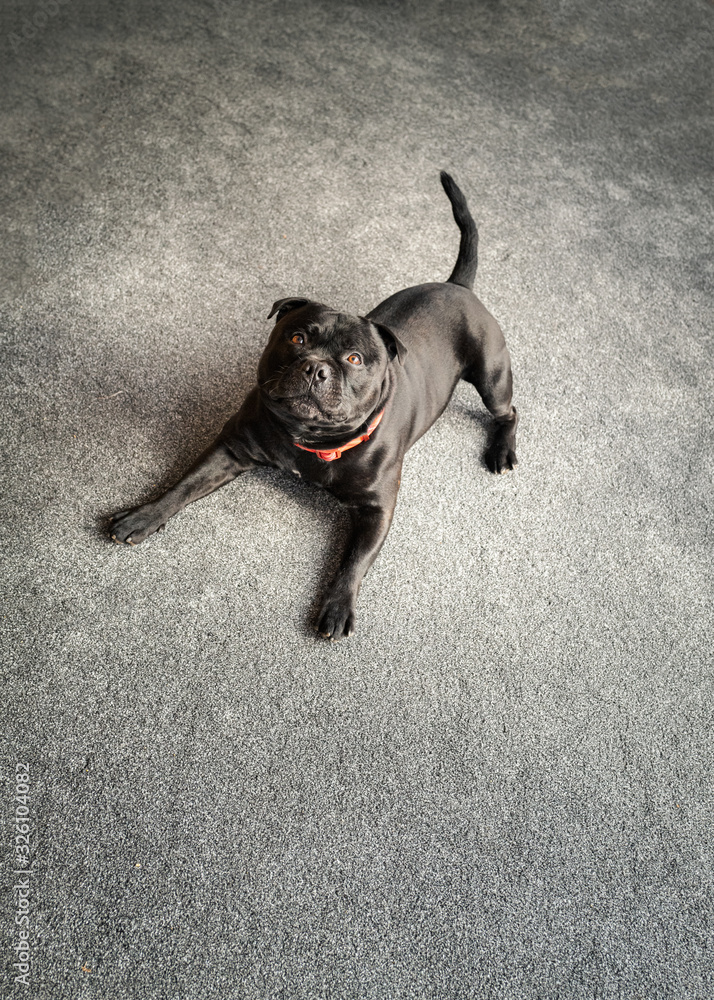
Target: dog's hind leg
[{"x": 491, "y": 375}]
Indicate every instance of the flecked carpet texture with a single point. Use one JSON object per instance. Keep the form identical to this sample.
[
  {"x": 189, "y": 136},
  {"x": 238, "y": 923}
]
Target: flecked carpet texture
[{"x": 501, "y": 786}]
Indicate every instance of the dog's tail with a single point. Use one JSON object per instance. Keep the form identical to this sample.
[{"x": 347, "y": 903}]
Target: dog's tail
[{"x": 466, "y": 263}]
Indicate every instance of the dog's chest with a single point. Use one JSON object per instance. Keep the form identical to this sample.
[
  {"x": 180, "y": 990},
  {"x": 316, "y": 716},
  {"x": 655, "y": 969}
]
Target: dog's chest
[{"x": 309, "y": 467}]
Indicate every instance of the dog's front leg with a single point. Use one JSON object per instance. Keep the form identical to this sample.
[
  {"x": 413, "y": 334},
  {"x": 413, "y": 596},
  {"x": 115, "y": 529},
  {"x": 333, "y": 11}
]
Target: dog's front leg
[
  {"x": 215, "y": 467},
  {"x": 370, "y": 525}
]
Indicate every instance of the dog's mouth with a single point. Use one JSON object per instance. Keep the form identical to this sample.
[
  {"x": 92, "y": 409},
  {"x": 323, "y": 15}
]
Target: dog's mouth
[
  {"x": 304, "y": 405},
  {"x": 303, "y": 398}
]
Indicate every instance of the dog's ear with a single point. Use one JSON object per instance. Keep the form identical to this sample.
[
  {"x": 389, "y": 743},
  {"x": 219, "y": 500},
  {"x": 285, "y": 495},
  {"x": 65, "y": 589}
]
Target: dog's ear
[
  {"x": 283, "y": 306},
  {"x": 395, "y": 347}
]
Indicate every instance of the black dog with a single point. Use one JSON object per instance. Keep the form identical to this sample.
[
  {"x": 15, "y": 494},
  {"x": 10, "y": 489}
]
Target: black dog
[{"x": 341, "y": 398}]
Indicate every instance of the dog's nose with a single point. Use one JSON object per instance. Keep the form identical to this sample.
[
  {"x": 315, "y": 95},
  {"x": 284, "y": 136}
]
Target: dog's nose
[{"x": 316, "y": 368}]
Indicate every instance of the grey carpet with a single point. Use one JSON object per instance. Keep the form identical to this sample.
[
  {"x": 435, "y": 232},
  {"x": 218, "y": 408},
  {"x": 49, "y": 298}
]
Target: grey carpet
[{"x": 501, "y": 786}]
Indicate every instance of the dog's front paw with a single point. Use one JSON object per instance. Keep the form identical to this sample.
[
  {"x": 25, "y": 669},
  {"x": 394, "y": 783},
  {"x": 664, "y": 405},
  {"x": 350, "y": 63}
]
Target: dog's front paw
[
  {"x": 133, "y": 526},
  {"x": 337, "y": 617}
]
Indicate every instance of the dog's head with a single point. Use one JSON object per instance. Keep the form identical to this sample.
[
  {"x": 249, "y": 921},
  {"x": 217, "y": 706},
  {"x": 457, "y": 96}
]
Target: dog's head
[{"x": 324, "y": 371}]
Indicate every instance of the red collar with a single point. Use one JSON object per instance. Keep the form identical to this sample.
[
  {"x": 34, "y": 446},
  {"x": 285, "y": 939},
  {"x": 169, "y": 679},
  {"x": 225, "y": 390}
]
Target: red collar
[{"x": 330, "y": 456}]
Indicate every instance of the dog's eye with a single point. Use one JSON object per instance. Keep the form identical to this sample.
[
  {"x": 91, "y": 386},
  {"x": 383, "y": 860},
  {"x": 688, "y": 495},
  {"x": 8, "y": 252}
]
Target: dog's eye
[
  {"x": 355, "y": 359},
  {"x": 297, "y": 338}
]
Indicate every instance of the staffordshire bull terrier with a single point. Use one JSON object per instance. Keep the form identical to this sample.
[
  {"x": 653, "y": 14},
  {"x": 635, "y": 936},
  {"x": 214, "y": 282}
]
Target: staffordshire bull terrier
[{"x": 340, "y": 399}]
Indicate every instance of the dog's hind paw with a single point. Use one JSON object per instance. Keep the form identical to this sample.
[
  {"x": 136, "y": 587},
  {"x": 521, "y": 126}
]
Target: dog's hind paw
[{"x": 500, "y": 457}]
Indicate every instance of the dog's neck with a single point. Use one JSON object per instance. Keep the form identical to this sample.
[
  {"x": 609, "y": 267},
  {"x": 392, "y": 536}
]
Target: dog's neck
[{"x": 331, "y": 455}]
